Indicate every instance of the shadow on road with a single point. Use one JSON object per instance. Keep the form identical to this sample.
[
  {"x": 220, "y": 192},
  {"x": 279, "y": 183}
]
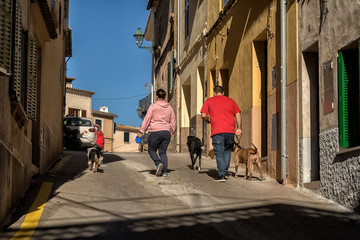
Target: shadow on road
[
  {"x": 73, "y": 165},
  {"x": 277, "y": 221}
]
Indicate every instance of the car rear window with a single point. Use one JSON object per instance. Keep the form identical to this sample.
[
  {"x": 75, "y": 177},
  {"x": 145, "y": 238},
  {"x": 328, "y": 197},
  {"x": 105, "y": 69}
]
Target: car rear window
[{"x": 79, "y": 122}]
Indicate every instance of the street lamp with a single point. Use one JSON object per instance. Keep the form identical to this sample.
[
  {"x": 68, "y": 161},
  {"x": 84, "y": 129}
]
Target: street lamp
[
  {"x": 139, "y": 37},
  {"x": 140, "y": 112}
]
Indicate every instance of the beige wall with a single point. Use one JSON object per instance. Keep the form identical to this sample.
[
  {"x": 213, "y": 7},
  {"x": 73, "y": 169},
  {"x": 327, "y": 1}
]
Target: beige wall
[
  {"x": 164, "y": 52},
  {"x": 235, "y": 55},
  {"x": 51, "y": 95},
  {"x": 121, "y": 146},
  {"x": 79, "y": 102},
  {"x": 192, "y": 70},
  {"x": 30, "y": 146}
]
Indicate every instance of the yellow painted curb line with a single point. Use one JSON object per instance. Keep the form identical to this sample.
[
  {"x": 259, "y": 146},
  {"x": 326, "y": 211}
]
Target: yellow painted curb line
[{"x": 32, "y": 219}]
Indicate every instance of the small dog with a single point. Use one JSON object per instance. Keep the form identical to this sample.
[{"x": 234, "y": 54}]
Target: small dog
[
  {"x": 248, "y": 156},
  {"x": 194, "y": 145},
  {"x": 94, "y": 160}
]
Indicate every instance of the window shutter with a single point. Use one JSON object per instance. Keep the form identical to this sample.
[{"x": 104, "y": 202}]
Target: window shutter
[
  {"x": 16, "y": 87},
  {"x": 5, "y": 34},
  {"x": 169, "y": 77},
  {"x": 83, "y": 113},
  {"x": 32, "y": 78},
  {"x": 126, "y": 137},
  {"x": 343, "y": 103}
]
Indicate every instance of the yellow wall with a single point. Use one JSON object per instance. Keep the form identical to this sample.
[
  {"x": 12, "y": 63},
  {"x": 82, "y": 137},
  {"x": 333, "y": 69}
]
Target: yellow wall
[{"x": 233, "y": 47}]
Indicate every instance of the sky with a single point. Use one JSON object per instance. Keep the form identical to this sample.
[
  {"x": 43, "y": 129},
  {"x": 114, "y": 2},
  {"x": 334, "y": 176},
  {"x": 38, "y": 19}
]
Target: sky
[{"x": 105, "y": 58}]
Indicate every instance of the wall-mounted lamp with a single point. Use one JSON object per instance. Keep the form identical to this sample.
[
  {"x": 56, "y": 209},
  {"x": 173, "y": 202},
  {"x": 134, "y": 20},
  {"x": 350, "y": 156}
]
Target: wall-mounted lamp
[{"x": 139, "y": 37}]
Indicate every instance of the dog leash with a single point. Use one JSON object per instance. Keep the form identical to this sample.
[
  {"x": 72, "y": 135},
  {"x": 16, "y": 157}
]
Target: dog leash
[{"x": 237, "y": 144}]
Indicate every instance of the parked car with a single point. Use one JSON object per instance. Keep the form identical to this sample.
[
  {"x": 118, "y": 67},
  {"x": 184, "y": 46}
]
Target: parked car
[{"x": 79, "y": 132}]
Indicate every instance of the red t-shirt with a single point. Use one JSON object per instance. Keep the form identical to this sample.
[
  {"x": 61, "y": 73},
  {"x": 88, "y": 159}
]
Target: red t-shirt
[{"x": 221, "y": 110}]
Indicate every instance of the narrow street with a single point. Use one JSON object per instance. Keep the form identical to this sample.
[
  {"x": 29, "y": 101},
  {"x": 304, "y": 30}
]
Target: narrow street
[{"x": 125, "y": 200}]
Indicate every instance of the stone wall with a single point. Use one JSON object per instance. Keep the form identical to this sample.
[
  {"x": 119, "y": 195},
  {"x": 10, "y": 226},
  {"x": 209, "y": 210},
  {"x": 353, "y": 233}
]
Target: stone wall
[{"x": 339, "y": 172}]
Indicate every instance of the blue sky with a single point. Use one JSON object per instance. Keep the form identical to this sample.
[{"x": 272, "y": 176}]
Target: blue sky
[{"x": 105, "y": 57}]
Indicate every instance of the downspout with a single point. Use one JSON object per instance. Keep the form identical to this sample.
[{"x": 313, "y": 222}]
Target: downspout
[
  {"x": 153, "y": 64},
  {"x": 178, "y": 99},
  {"x": 153, "y": 76},
  {"x": 112, "y": 136},
  {"x": 283, "y": 53}
]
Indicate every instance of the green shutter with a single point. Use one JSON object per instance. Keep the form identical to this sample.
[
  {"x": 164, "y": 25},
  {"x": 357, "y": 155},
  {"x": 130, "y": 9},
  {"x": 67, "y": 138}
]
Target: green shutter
[
  {"x": 32, "y": 78},
  {"x": 17, "y": 54},
  {"x": 5, "y": 34},
  {"x": 343, "y": 103},
  {"x": 126, "y": 136}
]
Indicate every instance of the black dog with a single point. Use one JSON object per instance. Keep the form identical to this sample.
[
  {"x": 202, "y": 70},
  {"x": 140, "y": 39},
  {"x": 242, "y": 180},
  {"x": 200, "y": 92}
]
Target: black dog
[{"x": 194, "y": 145}]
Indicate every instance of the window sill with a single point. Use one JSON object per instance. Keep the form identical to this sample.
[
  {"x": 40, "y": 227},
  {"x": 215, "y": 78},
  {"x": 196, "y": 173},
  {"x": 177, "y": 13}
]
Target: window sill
[
  {"x": 347, "y": 150},
  {"x": 18, "y": 113},
  {"x": 3, "y": 72}
]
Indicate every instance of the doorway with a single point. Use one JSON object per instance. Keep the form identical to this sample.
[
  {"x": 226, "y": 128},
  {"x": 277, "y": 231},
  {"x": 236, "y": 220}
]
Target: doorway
[
  {"x": 311, "y": 164},
  {"x": 260, "y": 95}
]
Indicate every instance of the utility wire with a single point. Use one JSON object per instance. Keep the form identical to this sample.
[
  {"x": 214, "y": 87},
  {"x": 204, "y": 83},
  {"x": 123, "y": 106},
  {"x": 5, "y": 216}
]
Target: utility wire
[{"x": 122, "y": 98}]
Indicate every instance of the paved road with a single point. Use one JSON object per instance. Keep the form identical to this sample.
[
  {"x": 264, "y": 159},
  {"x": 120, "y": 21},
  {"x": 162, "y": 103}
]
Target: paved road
[{"x": 125, "y": 200}]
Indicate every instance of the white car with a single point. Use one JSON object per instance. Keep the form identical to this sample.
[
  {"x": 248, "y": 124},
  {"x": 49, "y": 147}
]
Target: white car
[{"x": 79, "y": 132}]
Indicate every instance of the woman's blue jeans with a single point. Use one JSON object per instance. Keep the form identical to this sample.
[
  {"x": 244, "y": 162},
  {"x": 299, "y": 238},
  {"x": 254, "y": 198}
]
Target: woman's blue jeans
[
  {"x": 159, "y": 141},
  {"x": 223, "y": 143}
]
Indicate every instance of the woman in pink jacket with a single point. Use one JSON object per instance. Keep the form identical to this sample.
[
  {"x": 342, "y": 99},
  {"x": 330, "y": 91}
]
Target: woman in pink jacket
[{"x": 160, "y": 123}]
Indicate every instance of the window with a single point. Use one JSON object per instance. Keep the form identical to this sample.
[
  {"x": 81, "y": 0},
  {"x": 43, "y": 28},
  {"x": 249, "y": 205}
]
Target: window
[
  {"x": 187, "y": 24},
  {"x": 126, "y": 137},
  {"x": 98, "y": 122},
  {"x": 19, "y": 57},
  {"x": 225, "y": 2},
  {"x": 349, "y": 98},
  {"x": 5, "y": 35},
  {"x": 76, "y": 112},
  {"x": 32, "y": 66}
]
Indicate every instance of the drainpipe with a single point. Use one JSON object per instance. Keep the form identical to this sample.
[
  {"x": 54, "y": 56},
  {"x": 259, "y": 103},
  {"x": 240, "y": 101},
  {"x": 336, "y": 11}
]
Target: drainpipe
[
  {"x": 153, "y": 63},
  {"x": 178, "y": 148},
  {"x": 283, "y": 26},
  {"x": 152, "y": 98},
  {"x": 112, "y": 136}
]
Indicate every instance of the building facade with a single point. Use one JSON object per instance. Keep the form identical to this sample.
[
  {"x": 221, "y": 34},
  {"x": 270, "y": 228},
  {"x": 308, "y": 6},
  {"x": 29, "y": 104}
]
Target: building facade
[
  {"x": 237, "y": 44},
  {"x": 243, "y": 55},
  {"x": 124, "y": 138},
  {"x": 78, "y": 101},
  {"x": 160, "y": 30},
  {"x": 191, "y": 69},
  {"x": 329, "y": 101},
  {"x": 34, "y": 42}
]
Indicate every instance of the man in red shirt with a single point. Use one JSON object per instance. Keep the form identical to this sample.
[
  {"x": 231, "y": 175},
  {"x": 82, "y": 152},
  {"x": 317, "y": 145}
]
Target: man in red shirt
[{"x": 222, "y": 112}]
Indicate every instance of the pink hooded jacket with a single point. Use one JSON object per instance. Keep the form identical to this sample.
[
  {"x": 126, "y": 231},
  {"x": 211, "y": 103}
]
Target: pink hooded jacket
[{"x": 159, "y": 117}]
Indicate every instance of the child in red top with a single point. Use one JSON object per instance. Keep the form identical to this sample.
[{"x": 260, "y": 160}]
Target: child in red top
[
  {"x": 99, "y": 142},
  {"x": 99, "y": 137}
]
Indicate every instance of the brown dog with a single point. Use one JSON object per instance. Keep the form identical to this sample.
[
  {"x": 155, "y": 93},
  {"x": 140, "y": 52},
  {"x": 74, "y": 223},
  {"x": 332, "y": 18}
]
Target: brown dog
[{"x": 249, "y": 156}]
